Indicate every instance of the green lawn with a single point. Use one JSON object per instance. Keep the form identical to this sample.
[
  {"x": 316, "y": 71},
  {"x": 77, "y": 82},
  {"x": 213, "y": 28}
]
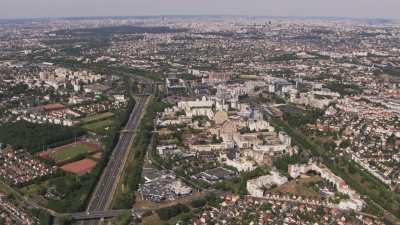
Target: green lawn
[
  {"x": 34, "y": 188},
  {"x": 70, "y": 153},
  {"x": 99, "y": 126},
  {"x": 97, "y": 117}
]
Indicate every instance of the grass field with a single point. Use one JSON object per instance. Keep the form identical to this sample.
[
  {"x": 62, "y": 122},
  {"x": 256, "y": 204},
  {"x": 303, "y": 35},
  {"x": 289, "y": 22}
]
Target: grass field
[
  {"x": 34, "y": 188},
  {"x": 300, "y": 187},
  {"x": 97, "y": 117},
  {"x": 70, "y": 153},
  {"x": 99, "y": 126},
  {"x": 151, "y": 220}
]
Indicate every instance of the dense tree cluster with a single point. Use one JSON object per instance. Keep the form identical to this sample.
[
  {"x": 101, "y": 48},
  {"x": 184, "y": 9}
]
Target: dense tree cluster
[
  {"x": 282, "y": 164},
  {"x": 301, "y": 119},
  {"x": 344, "y": 89},
  {"x": 238, "y": 184},
  {"x": 14, "y": 91},
  {"x": 392, "y": 71},
  {"x": 36, "y": 137},
  {"x": 172, "y": 211},
  {"x": 198, "y": 203}
]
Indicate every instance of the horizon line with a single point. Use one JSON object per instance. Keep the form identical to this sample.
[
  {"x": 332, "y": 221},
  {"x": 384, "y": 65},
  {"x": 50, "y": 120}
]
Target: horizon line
[{"x": 199, "y": 15}]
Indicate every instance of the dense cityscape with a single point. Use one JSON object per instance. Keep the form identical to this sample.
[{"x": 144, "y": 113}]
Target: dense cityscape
[{"x": 199, "y": 120}]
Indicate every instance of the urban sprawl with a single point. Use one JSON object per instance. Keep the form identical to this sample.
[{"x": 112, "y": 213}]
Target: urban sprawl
[{"x": 199, "y": 120}]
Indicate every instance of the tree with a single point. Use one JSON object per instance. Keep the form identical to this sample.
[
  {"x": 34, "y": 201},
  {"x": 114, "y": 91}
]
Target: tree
[
  {"x": 266, "y": 206},
  {"x": 345, "y": 144},
  {"x": 216, "y": 140},
  {"x": 198, "y": 203},
  {"x": 392, "y": 140},
  {"x": 65, "y": 220},
  {"x": 330, "y": 146},
  {"x": 213, "y": 200},
  {"x": 172, "y": 211},
  {"x": 351, "y": 168},
  {"x": 34, "y": 137},
  {"x": 282, "y": 164}
]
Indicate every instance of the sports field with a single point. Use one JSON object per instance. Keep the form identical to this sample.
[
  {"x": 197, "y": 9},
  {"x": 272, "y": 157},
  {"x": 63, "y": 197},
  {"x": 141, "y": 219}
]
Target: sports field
[
  {"x": 79, "y": 167},
  {"x": 70, "y": 151}
]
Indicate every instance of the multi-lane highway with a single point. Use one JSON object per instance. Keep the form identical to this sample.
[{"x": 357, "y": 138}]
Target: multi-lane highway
[{"x": 104, "y": 191}]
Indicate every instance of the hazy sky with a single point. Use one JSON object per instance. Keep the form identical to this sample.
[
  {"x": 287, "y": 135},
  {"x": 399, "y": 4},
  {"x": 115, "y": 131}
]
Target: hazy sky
[{"x": 71, "y": 8}]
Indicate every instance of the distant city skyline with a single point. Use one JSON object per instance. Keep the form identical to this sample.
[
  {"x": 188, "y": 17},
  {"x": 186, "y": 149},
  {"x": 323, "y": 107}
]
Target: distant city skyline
[{"x": 10, "y": 9}]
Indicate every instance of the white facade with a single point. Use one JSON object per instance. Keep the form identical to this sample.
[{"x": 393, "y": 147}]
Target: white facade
[
  {"x": 255, "y": 186},
  {"x": 258, "y": 125},
  {"x": 241, "y": 165},
  {"x": 354, "y": 203},
  {"x": 201, "y": 107}
]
